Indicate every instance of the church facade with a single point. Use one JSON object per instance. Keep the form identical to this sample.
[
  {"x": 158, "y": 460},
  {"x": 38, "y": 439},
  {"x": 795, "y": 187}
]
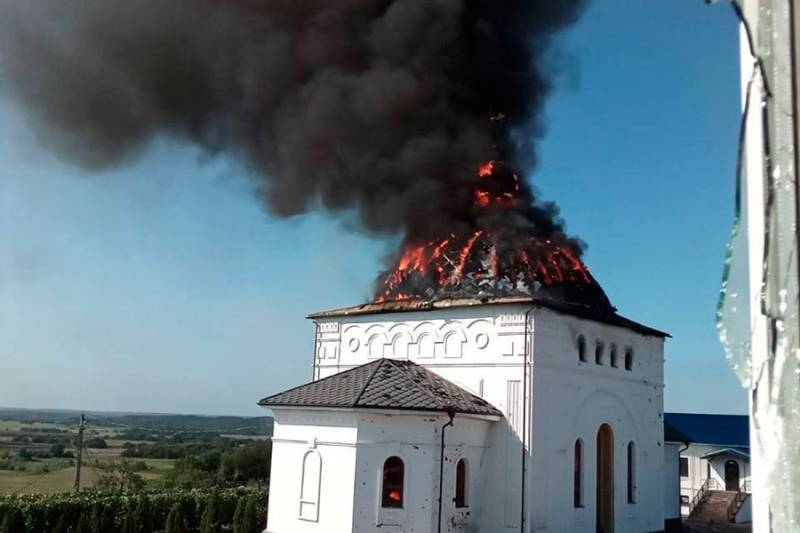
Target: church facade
[{"x": 512, "y": 414}]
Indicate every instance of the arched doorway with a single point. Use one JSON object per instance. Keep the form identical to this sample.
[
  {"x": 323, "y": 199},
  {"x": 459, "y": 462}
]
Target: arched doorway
[
  {"x": 731, "y": 475},
  {"x": 605, "y": 479}
]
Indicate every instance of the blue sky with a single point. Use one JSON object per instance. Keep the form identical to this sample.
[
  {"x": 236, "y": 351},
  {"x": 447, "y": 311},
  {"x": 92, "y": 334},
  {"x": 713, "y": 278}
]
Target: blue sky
[{"x": 163, "y": 286}]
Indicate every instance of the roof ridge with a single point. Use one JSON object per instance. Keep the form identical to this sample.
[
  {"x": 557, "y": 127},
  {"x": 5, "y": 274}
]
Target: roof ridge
[
  {"x": 419, "y": 387},
  {"x": 313, "y": 382},
  {"x": 379, "y": 363}
]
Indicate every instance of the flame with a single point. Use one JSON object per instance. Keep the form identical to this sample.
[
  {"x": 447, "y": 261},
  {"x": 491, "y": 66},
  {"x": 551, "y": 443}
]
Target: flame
[
  {"x": 465, "y": 254},
  {"x": 476, "y": 258}
]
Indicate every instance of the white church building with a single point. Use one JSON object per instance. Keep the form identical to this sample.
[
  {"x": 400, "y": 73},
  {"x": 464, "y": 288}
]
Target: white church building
[{"x": 493, "y": 415}]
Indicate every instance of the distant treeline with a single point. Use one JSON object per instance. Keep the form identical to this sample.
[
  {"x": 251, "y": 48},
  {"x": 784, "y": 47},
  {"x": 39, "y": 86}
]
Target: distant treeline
[{"x": 157, "y": 422}]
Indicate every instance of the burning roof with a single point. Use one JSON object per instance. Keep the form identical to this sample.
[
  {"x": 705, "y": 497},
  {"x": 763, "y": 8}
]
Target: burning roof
[{"x": 507, "y": 245}]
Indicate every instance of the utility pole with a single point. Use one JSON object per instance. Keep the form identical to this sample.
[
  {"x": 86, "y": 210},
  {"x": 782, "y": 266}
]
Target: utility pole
[{"x": 81, "y": 428}]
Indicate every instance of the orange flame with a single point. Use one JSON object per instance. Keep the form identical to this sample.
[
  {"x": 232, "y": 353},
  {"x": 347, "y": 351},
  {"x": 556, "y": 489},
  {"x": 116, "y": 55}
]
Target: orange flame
[{"x": 444, "y": 261}]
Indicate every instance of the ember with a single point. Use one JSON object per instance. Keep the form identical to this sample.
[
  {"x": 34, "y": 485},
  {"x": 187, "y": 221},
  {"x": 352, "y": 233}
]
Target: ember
[{"x": 508, "y": 251}]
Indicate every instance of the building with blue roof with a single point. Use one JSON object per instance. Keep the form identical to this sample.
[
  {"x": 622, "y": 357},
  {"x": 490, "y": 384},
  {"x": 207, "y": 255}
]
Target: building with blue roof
[{"x": 716, "y": 464}]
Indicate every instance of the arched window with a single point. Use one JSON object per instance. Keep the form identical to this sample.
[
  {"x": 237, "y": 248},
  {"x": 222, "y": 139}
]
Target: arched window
[
  {"x": 628, "y": 359},
  {"x": 393, "y": 480},
  {"x": 631, "y": 472},
  {"x": 614, "y": 356},
  {"x": 582, "y": 349},
  {"x": 461, "y": 484},
  {"x": 309, "y": 486},
  {"x": 598, "y": 353},
  {"x": 578, "y": 482}
]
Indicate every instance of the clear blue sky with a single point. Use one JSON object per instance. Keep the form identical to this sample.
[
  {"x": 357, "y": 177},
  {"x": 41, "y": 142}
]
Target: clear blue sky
[{"x": 165, "y": 287}]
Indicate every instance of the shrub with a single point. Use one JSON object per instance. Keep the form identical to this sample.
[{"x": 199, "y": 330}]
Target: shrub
[
  {"x": 108, "y": 520},
  {"x": 52, "y": 513},
  {"x": 249, "y": 519},
  {"x": 13, "y": 522},
  {"x": 175, "y": 522},
  {"x": 210, "y": 522},
  {"x": 129, "y": 522},
  {"x": 95, "y": 525},
  {"x": 143, "y": 516},
  {"x": 83, "y": 524},
  {"x": 238, "y": 515}
]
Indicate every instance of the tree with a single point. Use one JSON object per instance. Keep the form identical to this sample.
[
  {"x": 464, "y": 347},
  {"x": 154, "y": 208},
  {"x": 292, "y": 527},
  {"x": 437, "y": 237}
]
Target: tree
[
  {"x": 120, "y": 475},
  {"x": 13, "y": 522},
  {"x": 175, "y": 522},
  {"x": 250, "y": 518},
  {"x": 57, "y": 450},
  {"x": 238, "y": 515},
  {"x": 83, "y": 524},
  {"x": 25, "y": 454},
  {"x": 209, "y": 523},
  {"x": 96, "y": 442},
  {"x": 250, "y": 462}
]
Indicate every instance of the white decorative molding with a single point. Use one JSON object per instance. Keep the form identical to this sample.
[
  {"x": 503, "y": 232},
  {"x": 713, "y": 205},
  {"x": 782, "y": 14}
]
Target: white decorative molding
[
  {"x": 425, "y": 346},
  {"x": 510, "y": 320},
  {"x": 453, "y": 343},
  {"x": 329, "y": 327},
  {"x": 515, "y": 347},
  {"x": 354, "y": 344},
  {"x": 332, "y": 351}
]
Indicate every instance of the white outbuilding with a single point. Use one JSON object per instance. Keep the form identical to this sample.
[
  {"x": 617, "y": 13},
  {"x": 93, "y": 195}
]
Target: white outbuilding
[{"x": 494, "y": 415}]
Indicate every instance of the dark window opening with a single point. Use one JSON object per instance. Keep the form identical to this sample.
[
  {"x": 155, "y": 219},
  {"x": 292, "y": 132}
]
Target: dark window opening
[
  {"x": 684, "y": 467},
  {"x": 582, "y": 349},
  {"x": 631, "y": 472},
  {"x": 614, "y": 357},
  {"x": 578, "y": 482},
  {"x": 393, "y": 478},
  {"x": 628, "y": 360},
  {"x": 598, "y": 353},
  {"x": 461, "y": 484}
]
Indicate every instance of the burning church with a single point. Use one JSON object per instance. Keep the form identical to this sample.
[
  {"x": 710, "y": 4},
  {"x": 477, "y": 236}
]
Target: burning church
[
  {"x": 490, "y": 385},
  {"x": 505, "y": 413}
]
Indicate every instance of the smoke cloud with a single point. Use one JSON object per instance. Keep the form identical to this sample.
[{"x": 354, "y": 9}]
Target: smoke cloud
[{"x": 380, "y": 106}]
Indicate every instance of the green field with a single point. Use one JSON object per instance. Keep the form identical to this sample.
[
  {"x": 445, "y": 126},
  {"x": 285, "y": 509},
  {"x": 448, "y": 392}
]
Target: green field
[
  {"x": 58, "y": 475},
  {"x": 38, "y": 452}
]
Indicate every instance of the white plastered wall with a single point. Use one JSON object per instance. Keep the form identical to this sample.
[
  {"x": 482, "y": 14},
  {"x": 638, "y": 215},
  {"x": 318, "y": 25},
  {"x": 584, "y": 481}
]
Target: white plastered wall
[{"x": 482, "y": 348}]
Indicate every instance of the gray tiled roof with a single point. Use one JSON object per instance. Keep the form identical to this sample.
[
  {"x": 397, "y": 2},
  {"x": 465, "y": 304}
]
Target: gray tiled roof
[{"x": 384, "y": 384}]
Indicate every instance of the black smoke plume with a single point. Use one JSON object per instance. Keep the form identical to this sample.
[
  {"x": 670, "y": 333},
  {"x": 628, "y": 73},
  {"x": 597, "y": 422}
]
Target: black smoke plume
[{"x": 377, "y": 106}]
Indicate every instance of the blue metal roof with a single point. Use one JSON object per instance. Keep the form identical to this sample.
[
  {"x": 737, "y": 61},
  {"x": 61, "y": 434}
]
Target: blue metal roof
[
  {"x": 739, "y": 452},
  {"x": 718, "y": 430}
]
